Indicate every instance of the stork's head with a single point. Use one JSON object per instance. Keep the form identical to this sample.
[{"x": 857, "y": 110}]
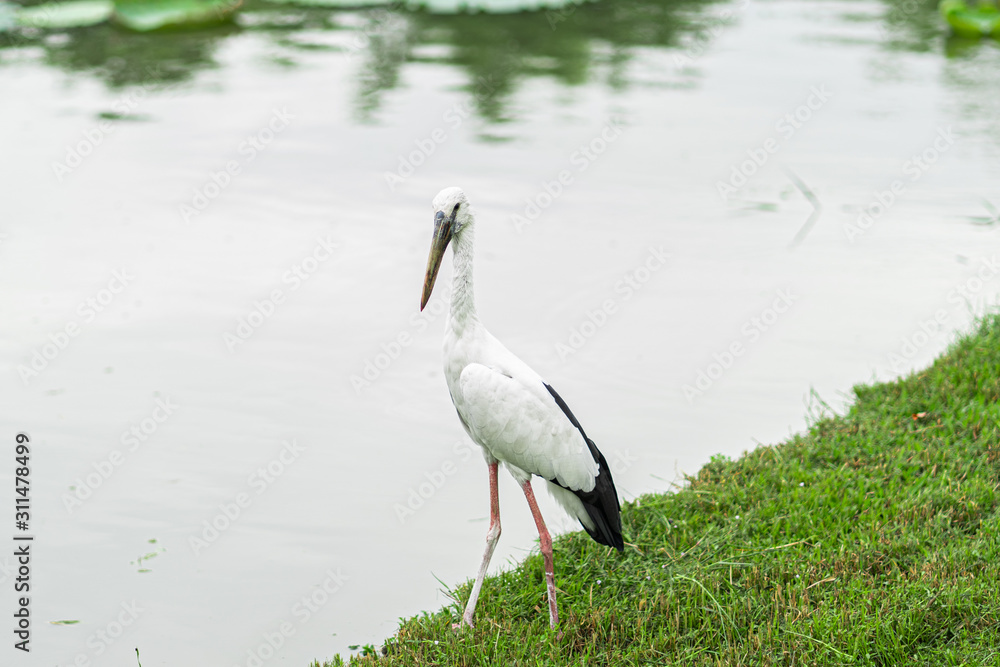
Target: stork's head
[{"x": 452, "y": 215}]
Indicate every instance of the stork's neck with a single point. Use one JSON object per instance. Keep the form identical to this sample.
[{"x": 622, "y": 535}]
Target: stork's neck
[{"x": 463, "y": 302}]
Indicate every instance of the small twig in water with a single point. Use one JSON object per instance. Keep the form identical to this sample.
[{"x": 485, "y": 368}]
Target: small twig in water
[{"x": 808, "y": 194}]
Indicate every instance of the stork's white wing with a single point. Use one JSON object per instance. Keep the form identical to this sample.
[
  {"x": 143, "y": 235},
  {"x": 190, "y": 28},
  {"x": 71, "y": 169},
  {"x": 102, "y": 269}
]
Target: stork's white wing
[{"x": 522, "y": 425}]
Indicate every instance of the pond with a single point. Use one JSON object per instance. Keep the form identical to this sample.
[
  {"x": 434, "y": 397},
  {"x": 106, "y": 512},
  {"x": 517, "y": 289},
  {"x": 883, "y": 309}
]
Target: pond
[{"x": 702, "y": 223}]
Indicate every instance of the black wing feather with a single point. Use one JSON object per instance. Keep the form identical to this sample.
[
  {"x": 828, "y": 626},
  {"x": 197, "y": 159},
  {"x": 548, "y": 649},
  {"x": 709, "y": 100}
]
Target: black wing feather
[{"x": 601, "y": 502}]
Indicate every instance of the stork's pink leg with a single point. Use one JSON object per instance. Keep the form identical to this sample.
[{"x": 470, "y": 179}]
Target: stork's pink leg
[
  {"x": 545, "y": 541},
  {"x": 491, "y": 542}
]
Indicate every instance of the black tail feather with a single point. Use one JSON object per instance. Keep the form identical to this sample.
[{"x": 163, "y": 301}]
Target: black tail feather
[
  {"x": 602, "y": 505},
  {"x": 601, "y": 502}
]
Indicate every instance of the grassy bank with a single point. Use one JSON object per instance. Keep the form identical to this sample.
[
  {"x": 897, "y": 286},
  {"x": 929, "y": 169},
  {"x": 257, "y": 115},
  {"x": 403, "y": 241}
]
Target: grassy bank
[{"x": 872, "y": 540}]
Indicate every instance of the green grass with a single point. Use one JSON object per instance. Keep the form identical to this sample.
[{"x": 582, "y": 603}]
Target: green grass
[{"x": 872, "y": 540}]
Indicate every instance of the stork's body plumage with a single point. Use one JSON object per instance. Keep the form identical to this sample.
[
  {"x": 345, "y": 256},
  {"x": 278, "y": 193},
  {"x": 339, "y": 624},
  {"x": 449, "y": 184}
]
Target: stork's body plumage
[{"x": 509, "y": 411}]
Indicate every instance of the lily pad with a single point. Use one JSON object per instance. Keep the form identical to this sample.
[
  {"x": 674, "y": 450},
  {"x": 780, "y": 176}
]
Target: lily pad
[
  {"x": 148, "y": 15},
  {"x": 489, "y": 6},
  {"x": 971, "y": 21},
  {"x": 443, "y": 6},
  {"x": 8, "y": 16},
  {"x": 336, "y": 4},
  {"x": 56, "y": 15}
]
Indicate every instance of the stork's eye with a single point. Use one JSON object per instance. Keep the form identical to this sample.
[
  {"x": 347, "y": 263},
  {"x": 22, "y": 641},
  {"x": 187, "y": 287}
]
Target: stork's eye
[{"x": 455, "y": 210}]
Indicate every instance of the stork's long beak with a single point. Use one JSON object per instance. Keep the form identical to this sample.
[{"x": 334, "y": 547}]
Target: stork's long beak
[{"x": 439, "y": 242}]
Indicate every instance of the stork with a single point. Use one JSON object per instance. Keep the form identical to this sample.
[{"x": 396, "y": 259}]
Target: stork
[{"x": 512, "y": 413}]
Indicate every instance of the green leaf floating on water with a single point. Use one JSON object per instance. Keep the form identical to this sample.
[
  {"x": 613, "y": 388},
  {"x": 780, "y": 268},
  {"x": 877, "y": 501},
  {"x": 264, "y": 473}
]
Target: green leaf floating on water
[
  {"x": 8, "y": 16},
  {"x": 147, "y": 15},
  {"x": 336, "y": 4},
  {"x": 494, "y": 6},
  {"x": 75, "y": 14},
  {"x": 967, "y": 21},
  {"x": 444, "y": 6}
]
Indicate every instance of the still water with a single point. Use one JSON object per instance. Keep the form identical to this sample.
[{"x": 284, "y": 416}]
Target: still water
[{"x": 698, "y": 221}]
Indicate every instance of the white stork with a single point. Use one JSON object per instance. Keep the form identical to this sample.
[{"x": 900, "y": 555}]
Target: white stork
[{"x": 509, "y": 411}]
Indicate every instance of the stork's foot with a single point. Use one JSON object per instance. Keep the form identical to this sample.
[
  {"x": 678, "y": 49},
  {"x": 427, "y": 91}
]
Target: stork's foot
[
  {"x": 554, "y": 622},
  {"x": 466, "y": 622}
]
